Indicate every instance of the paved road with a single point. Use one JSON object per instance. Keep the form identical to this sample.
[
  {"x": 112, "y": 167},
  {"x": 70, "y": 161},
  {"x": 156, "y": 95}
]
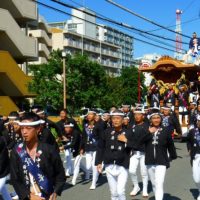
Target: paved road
[{"x": 178, "y": 184}]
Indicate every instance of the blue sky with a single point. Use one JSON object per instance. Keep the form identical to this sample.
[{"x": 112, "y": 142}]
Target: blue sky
[{"x": 162, "y": 12}]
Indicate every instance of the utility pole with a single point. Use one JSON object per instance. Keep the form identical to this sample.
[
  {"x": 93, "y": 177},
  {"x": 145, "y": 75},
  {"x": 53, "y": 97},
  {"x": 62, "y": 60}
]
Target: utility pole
[{"x": 64, "y": 80}]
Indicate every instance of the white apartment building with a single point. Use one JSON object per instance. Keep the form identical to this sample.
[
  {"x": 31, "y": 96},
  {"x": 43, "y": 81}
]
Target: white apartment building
[
  {"x": 78, "y": 35},
  {"x": 106, "y": 54},
  {"x": 119, "y": 38}
]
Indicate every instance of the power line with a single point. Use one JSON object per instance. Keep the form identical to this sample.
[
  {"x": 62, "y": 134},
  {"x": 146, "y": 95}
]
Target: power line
[
  {"x": 144, "y": 18},
  {"x": 186, "y": 22},
  {"x": 188, "y": 6},
  {"x": 64, "y": 12},
  {"x": 115, "y": 22}
]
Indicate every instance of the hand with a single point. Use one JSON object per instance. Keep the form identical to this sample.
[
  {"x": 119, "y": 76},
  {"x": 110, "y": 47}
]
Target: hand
[
  {"x": 4, "y": 118},
  {"x": 64, "y": 138},
  {"x": 122, "y": 138},
  {"x": 53, "y": 196},
  {"x": 61, "y": 148},
  {"x": 152, "y": 129},
  {"x": 35, "y": 197},
  {"x": 99, "y": 168}
]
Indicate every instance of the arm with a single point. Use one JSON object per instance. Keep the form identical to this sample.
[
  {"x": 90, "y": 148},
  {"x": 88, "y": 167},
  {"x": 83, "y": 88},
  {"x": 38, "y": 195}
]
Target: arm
[
  {"x": 100, "y": 150},
  {"x": 170, "y": 146},
  {"x": 189, "y": 140}
]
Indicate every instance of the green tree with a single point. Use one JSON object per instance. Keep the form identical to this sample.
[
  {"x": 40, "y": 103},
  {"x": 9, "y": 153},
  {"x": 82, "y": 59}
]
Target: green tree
[
  {"x": 87, "y": 83},
  {"x": 47, "y": 82},
  {"x": 129, "y": 84}
]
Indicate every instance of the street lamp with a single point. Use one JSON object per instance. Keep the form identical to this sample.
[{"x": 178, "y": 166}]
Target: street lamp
[{"x": 64, "y": 80}]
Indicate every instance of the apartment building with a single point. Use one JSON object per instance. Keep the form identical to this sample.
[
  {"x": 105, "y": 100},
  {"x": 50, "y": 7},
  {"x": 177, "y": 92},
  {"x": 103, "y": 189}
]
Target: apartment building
[
  {"x": 71, "y": 42},
  {"x": 42, "y": 32},
  {"x": 16, "y": 49},
  {"x": 119, "y": 38},
  {"x": 79, "y": 34}
]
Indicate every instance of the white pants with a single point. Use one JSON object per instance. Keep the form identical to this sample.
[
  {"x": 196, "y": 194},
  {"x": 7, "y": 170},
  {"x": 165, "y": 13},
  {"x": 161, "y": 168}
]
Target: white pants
[
  {"x": 135, "y": 160},
  {"x": 69, "y": 164},
  {"x": 3, "y": 189},
  {"x": 117, "y": 178},
  {"x": 77, "y": 165},
  {"x": 196, "y": 170},
  {"x": 157, "y": 177},
  {"x": 90, "y": 165}
]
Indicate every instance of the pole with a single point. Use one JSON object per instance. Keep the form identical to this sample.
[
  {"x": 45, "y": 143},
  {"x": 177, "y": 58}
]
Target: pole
[
  {"x": 64, "y": 85},
  {"x": 139, "y": 88}
]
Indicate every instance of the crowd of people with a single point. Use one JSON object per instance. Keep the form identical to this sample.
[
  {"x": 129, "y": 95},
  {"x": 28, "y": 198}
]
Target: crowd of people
[{"x": 116, "y": 143}]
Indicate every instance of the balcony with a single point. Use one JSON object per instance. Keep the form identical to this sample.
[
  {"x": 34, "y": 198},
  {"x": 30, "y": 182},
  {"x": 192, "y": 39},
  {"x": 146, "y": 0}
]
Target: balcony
[
  {"x": 43, "y": 51},
  {"x": 42, "y": 36},
  {"x": 14, "y": 40},
  {"x": 21, "y": 10}
]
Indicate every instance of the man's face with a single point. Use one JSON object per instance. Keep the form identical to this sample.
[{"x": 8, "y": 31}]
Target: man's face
[
  {"x": 29, "y": 133},
  {"x": 106, "y": 117},
  {"x": 42, "y": 116},
  {"x": 68, "y": 129},
  {"x": 117, "y": 121},
  {"x": 126, "y": 121},
  {"x": 125, "y": 109},
  {"x": 16, "y": 127},
  {"x": 90, "y": 116},
  {"x": 97, "y": 118},
  {"x": 63, "y": 114},
  {"x": 194, "y": 35},
  {"x": 139, "y": 117},
  {"x": 192, "y": 106},
  {"x": 198, "y": 123},
  {"x": 166, "y": 112},
  {"x": 156, "y": 120}
]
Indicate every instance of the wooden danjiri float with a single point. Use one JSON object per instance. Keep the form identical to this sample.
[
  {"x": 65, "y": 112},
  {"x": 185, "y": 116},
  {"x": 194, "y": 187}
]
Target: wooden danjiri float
[{"x": 167, "y": 71}]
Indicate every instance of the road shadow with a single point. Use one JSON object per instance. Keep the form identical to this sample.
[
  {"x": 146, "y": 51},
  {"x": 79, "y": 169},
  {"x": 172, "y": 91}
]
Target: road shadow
[
  {"x": 102, "y": 180},
  {"x": 167, "y": 197},
  {"x": 194, "y": 192}
]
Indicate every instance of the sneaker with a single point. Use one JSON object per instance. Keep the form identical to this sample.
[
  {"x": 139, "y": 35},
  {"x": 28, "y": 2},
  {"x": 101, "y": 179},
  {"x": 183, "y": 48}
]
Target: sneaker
[
  {"x": 73, "y": 182},
  {"x": 198, "y": 198},
  {"x": 67, "y": 175},
  {"x": 92, "y": 187},
  {"x": 15, "y": 197},
  {"x": 135, "y": 191},
  {"x": 145, "y": 194}
]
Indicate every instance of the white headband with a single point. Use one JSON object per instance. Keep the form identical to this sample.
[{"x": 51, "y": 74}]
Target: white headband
[
  {"x": 69, "y": 125},
  {"x": 166, "y": 108},
  {"x": 154, "y": 114},
  {"x": 139, "y": 111},
  {"x": 21, "y": 112},
  {"x": 117, "y": 114},
  {"x": 12, "y": 117},
  {"x": 35, "y": 123},
  {"x": 39, "y": 113}
]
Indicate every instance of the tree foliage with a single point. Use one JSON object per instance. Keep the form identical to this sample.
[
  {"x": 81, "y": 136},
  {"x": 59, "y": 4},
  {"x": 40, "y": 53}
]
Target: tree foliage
[{"x": 87, "y": 83}]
